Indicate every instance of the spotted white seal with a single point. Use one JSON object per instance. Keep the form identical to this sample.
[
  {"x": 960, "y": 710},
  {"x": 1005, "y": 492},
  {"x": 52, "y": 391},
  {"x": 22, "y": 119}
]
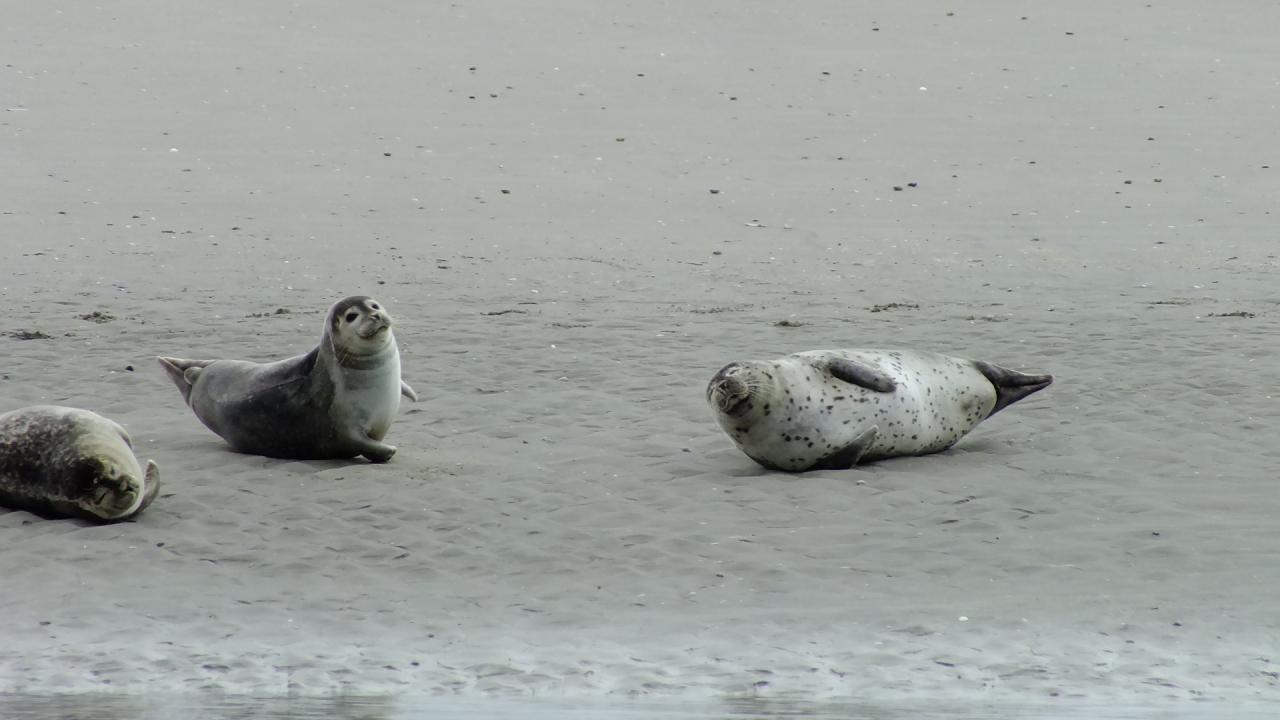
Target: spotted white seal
[
  {"x": 830, "y": 409},
  {"x": 337, "y": 401},
  {"x": 68, "y": 462}
]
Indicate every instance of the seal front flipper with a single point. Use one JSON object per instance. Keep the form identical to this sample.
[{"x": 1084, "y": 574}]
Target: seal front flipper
[
  {"x": 407, "y": 391},
  {"x": 1011, "y": 386},
  {"x": 382, "y": 453},
  {"x": 860, "y": 374},
  {"x": 183, "y": 373},
  {"x": 151, "y": 486},
  {"x": 849, "y": 455},
  {"x": 376, "y": 452}
]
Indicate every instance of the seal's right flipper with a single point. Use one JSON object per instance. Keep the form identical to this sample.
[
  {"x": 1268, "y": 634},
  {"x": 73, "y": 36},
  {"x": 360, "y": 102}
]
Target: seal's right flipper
[
  {"x": 849, "y": 455},
  {"x": 860, "y": 374},
  {"x": 183, "y": 373},
  {"x": 380, "y": 453},
  {"x": 407, "y": 391}
]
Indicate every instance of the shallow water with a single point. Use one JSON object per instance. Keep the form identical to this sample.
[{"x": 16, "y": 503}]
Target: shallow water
[{"x": 209, "y": 707}]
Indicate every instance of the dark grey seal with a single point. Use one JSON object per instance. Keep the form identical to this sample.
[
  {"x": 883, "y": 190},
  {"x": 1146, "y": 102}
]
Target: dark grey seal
[
  {"x": 337, "y": 401},
  {"x": 67, "y": 462}
]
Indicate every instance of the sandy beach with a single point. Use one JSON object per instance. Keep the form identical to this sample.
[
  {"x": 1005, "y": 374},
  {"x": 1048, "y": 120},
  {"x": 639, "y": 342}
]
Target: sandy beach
[{"x": 578, "y": 212}]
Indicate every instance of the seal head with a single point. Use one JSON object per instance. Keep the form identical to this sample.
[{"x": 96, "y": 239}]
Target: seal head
[{"x": 730, "y": 390}]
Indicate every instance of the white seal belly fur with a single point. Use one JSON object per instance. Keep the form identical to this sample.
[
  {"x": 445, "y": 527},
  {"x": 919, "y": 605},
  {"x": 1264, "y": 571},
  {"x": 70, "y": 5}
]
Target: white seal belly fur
[{"x": 371, "y": 397}]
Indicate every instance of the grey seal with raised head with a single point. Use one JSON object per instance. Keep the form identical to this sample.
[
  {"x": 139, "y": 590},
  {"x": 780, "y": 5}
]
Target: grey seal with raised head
[{"x": 336, "y": 401}]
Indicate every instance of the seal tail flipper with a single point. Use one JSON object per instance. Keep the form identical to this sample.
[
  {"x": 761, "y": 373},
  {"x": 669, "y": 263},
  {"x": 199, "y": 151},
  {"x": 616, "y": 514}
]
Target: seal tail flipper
[
  {"x": 849, "y": 455},
  {"x": 1011, "y": 386},
  {"x": 407, "y": 391},
  {"x": 183, "y": 373}
]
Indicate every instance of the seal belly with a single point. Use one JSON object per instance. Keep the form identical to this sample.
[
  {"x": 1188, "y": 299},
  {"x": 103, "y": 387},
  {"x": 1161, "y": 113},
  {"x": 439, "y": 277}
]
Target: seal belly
[
  {"x": 810, "y": 417},
  {"x": 372, "y": 397},
  {"x": 937, "y": 401}
]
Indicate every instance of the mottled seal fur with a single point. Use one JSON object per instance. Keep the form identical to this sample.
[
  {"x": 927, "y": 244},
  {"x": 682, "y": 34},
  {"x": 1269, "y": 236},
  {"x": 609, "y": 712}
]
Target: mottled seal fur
[
  {"x": 67, "y": 462},
  {"x": 337, "y": 401},
  {"x": 830, "y": 409}
]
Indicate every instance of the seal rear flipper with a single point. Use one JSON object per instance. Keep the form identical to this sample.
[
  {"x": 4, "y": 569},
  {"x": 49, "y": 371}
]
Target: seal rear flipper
[
  {"x": 860, "y": 374},
  {"x": 407, "y": 391},
  {"x": 183, "y": 373},
  {"x": 1011, "y": 386},
  {"x": 849, "y": 455}
]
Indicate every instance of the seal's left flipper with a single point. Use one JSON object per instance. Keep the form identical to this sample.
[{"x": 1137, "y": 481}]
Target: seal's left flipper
[
  {"x": 380, "y": 454},
  {"x": 860, "y": 374},
  {"x": 849, "y": 455},
  {"x": 407, "y": 391},
  {"x": 1011, "y": 386},
  {"x": 374, "y": 450}
]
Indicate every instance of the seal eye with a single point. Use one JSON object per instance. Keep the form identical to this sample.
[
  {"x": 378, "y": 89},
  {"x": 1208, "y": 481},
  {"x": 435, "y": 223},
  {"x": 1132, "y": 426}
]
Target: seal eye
[
  {"x": 374, "y": 306},
  {"x": 351, "y": 317}
]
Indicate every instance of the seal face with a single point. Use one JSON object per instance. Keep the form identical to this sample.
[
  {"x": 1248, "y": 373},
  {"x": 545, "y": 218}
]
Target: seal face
[
  {"x": 337, "y": 401},
  {"x": 830, "y": 409},
  {"x": 68, "y": 462}
]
